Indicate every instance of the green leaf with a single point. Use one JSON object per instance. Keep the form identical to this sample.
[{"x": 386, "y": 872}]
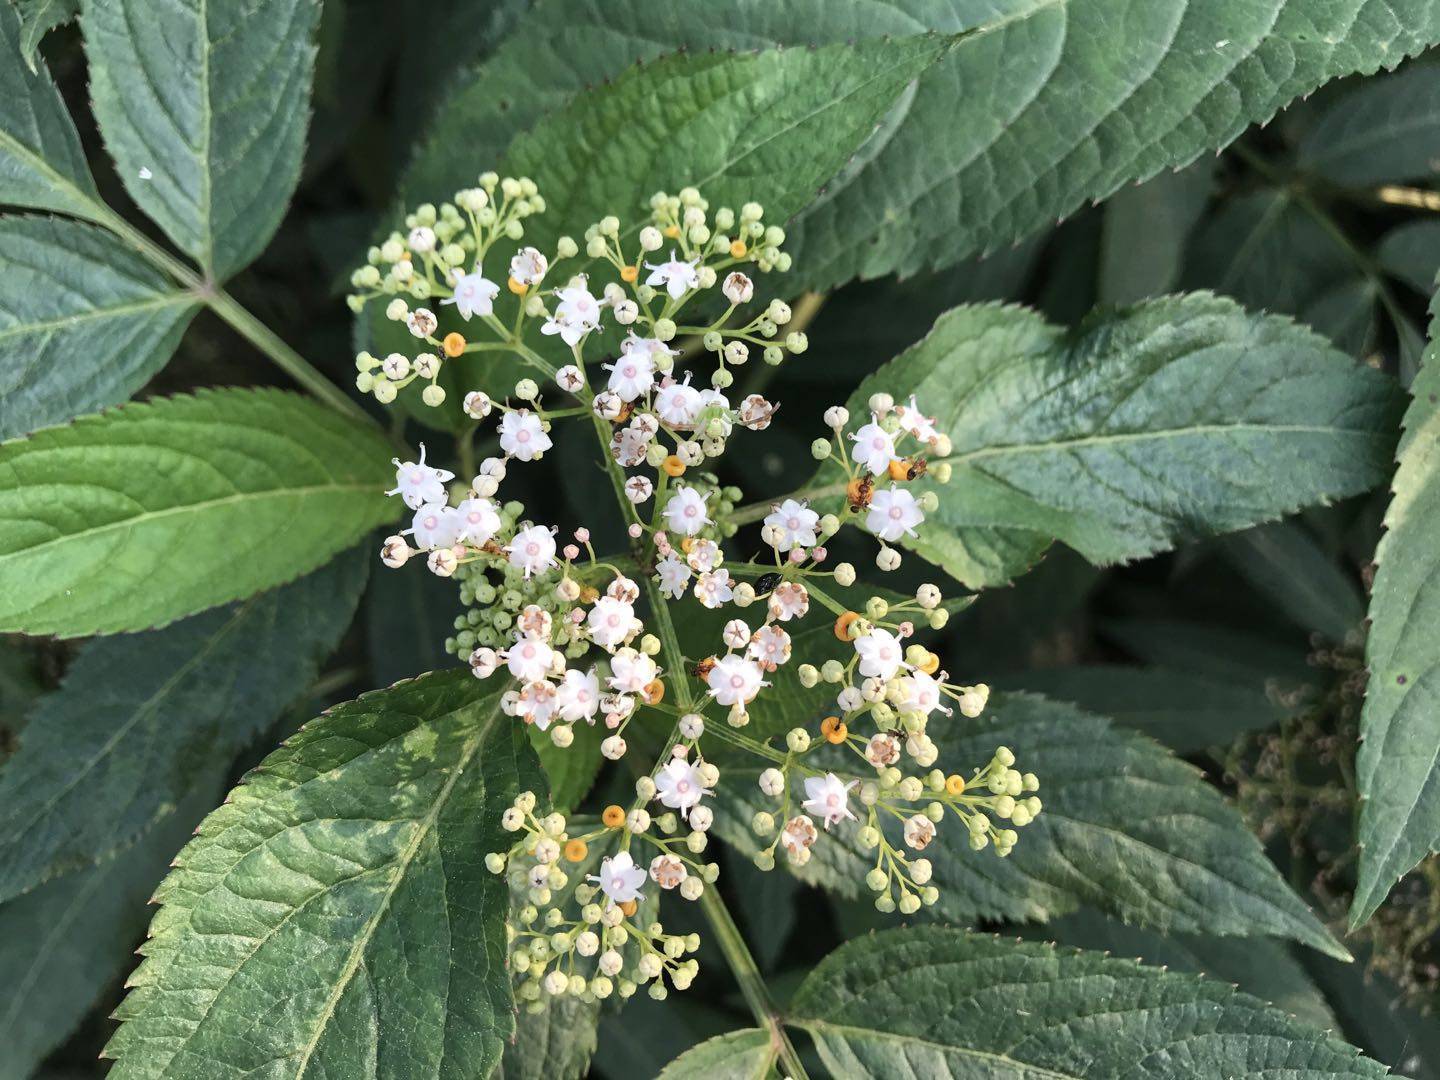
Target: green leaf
[
  {"x": 335, "y": 916},
  {"x": 38, "y": 18},
  {"x": 1384, "y": 130},
  {"x": 572, "y": 771},
  {"x": 738, "y": 1055},
  {"x": 41, "y": 162},
  {"x": 1374, "y": 1014},
  {"x": 69, "y": 941},
  {"x": 84, "y": 321},
  {"x": 1043, "y": 106},
  {"x": 144, "y": 514},
  {"x": 1395, "y": 766},
  {"x": 1411, "y": 252},
  {"x": 1142, "y": 240},
  {"x": 1284, "y": 564},
  {"x": 1127, "y": 828},
  {"x": 1244, "y": 658},
  {"x": 139, "y": 716},
  {"x": 1175, "y": 419},
  {"x": 929, "y": 1001},
  {"x": 553, "y": 1044},
  {"x": 211, "y": 99}
]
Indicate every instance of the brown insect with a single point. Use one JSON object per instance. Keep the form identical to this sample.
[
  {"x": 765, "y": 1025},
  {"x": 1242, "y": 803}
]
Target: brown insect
[
  {"x": 703, "y": 668},
  {"x": 858, "y": 493}
]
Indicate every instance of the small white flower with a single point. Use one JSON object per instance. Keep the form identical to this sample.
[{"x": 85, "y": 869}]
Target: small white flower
[
  {"x": 477, "y": 404},
  {"x": 483, "y": 662},
  {"x": 631, "y": 671},
  {"x": 738, "y": 288},
  {"x": 770, "y": 647},
  {"x": 528, "y": 266},
  {"x": 713, "y": 588},
  {"x": 679, "y": 404},
  {"x": 734, "y": 680},
  {"x": 622, "y": 588},
  {"x": 607, "y": 405},
  {"x": 611, "y": 621},
  {"x": 685, "y": 511},
  {"x": 522, "y": 436},
  {"x": 704, "y": 555},
  {"x": 676, "y": 275},
  {"x": 631, "y": 375},
  {"x": 668, "y": 871},
  {"x": 874, "y": 448},
  {"x": 922, "y": 694},
  {"x": 575, "y": 316},
  {"x": 536, "y": 703},
  {"x": 893, "y": 514},
  {"x": 790, "y": 600},
  {"x": 880, "y": 654},
  {"x": 919, "y": 831},
  {"x": 529, "y": 659},
  {"x": 474, "y": 294},
  {"x": 422, "y": 322},
  {"x": 680, "y": 786},
  {"x": 882, "y": 750},
  {"x": 578, "y": 696},
  {"x": 736, "y": 634},
  {"x": 827, "y": 797},
  {"x": 917, "y": 423},
  {"x": 417, "y": 484},
  {"x": 570, "y": 378},
  {"x": 797, "y": 836},
  {"x": 532, "y": 549},
  {"x": 619, "y": 878},
  {"x": 792, "y": 524},
  {"x": 756, "y": 412},
  {"x": 628, "y": 446},
  {"x": 435, "y": 525},
  {"x": 638, "y": 489},
  {"x": 674, "y": 576},
  {"x": 479, "y": 520},
  {"x": 421, "y": 239}
]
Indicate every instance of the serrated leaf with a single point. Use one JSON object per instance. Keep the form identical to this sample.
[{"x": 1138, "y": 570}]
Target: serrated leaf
[
  {"x": 144, "y": 514},
  {"x": 84, "y": 321},
  {"x": 1396, "y": 764},
  {"x": 1383, "y": 130},
  {"x": 139, "y": 717},
  {"x": 335, "y": 917},
  {"x": 38, "y": 18},
  {"x": 553, "y": 1044},
  {"x": 66, "y": 943},
  {"x": 1043, "y": 106},
  {"x": 1127, "y": 828},
  {"x": 737, "y": 1055},
  {"x": 41, "y": 162},
  {"x": 929, "y": 1001},
  {"x": 211, "y": 99},
  {"x": 1175, "y": 419}
]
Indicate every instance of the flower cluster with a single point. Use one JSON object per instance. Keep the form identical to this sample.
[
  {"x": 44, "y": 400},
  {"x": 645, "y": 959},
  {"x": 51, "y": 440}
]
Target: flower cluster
[{"x": 582, "y": 639}]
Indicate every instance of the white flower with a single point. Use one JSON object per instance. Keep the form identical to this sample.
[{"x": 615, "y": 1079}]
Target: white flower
[
  {"x": 479, "y": 520},
  {"x": 792, "y": 524},
  {"x": 638, "y": 489},
  {"x": 734, "y": 680},
  {"x": 667, "y": 871},
  {"x": 680, "y": 786},
  {"x": 575, "y": 316},
  {"x": 578, "y": 697},
  {"x": 422, "y": 322},
  {"x": 828, "y": 797},
  {"x": 704, "y": 555},
  {"x": 874, "y": 448},
  {"x": 417, "y": 483},
  {"x": 674, "y": 576},
  {"x": 736, "y": 633},
  {"x": 713, "y": 588},
  {"x": 535, "y": 621},
  {"x": 676, "y": 275},
  {"x": 685, "y": 511},
  {"x": 717, "y": 405},
  {"x": 611, "y": 621},
  {"x": 883, "y": 749},
  {"x": 797, "y": 836},
  {"x": 893, "y": 514},
  {"x": 619, "y": 878},
  {"x": 522, "y": 436},
  {"x": 756, "y": 412},
  {"x": 628, "y": 447},
  {"x": 679, "y": 404},
  {"x": 529, "y": 659},
  {"x": 532, "y": 549},
  {"x": 770, "y": 647},
  {"x": 919, "y": 831},
  {"x": 789, "y": 601},
  {"x": 435, "y": 525},
  {"x": 528, "y": 266},
  {"x": 536, "y": 703},
  {"x": 421, "y": 239},
  {"x": 880, "y": 654},
  {"x": 917, "y": 423},
  {"x": 622, "y": 588},
  {"x": 474, "y": 294},
  {"x": 738, "y": 288},
  {"x": 922, "y": 694},
  {"x": 631, "y": 671},
  {"x": 570, "y": 378},
  {"x": 632, "y": 374}
]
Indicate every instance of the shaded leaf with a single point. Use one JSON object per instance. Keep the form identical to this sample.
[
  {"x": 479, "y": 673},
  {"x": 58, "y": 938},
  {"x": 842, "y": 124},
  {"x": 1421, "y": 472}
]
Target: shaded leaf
[
  {"x": 1142, "y": 240},
  {"x": 572, "y": 771},
  {"x": 38, "y": 18},
  {"x": 552, "y": 1044},
  {"x": 1384, "y": 129},
  {"x": 1285, "y": 564},
  {"x": 1411, "y": 252},
  {"x": 739, "y": 1055}
]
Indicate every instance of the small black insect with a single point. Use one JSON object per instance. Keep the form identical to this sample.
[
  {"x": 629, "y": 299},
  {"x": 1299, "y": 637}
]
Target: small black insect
[{"x": 766, "y": 584}]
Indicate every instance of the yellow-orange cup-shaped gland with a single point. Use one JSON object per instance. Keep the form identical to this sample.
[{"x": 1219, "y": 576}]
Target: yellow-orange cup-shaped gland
[
  {"x": 629, "y": 273},
  {"x": 955, "y": 784},
  {"x": 900, "y": 470},
  {"x": 834, "y": 730},
  {"x": 843, "y": 624},
  {"x": 519, "y": 288},
  {"x": 673, "y": 466},
  {"x": 672, "y": 231},
  {"x": 454, "y": 344},
  {"x": 738, "y": 249},
  {"x": 576, "y": 850},
  {"x": 629, "y": 907},
  {"x": 931, "y": 664},
  {"x": 654, "y": 693},
  {"x": 613, "y": 816}
]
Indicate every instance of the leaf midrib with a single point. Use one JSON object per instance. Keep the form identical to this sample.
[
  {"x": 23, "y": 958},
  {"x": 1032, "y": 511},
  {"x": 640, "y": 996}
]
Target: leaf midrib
[
  {"x": 845, "y": 1031},
  {"x": 22, "y": 328}
]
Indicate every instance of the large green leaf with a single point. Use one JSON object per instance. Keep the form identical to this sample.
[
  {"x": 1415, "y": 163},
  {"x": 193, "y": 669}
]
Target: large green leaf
[
  {"x": 738, "y": 1055},
  {"x": 1285, "y": 564},
  {"x": 1178, "y": 418},
  {"x": 67, "y": 942},
  {"x": 1045, "y": 105},
  {"x": 1127, "y": 828},
  {"x": 41, "y": 162},
  {"x": 84, "y": 321},
  {"x": 147, "y": 513},
  {"x": 204, "y": 106},
  {"x": 937, "y": 1002},
  {"x": 1396, "y": 766},
  {"x": 1383, "y": 130},
  {"x": 1411, "y": 252},
  {"x": 335, "y": 917},
  {"x": 554, "y": 1043},
  {"x": 38, "y": 18},
  {"x": 139, "y": 717}
]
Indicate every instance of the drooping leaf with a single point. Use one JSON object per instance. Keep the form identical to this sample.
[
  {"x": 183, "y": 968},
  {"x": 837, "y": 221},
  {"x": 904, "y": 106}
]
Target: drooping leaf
[
  {"x": 1396, "y": 765},
  {"x": 553, "y": 1044},
  {"x": 84, "y": 321},
  {"x": 1127, "y": 828},
  {"x": 1384, "y": 130},
  {"x": 408, "y": 615},
  {"x": 335, "y": 916},
  {"x": 767, "y": 907},
  {"x": 1175, "y": 419},
  {"x": 1284, "y": 564},
  {"x": 997, "y": 1008},
  {"x": 1374, "y": 1015},
  {"x": 1042, "y": 106},
  {"x": 41, "y": 162},
  {"x": 141, "y": 717},
  {"x": 204, "y": 105},
  {"x": 1241, "y": 657},
  {"x": 739, "y": 1055},
  {"x": 64, "y": 944},
  {"x": 38, "y": 18},
  {"x": 139, "y": 516},
  {"x": 1142, "y": 240},
  {"x": 1411, "y": 252}
]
